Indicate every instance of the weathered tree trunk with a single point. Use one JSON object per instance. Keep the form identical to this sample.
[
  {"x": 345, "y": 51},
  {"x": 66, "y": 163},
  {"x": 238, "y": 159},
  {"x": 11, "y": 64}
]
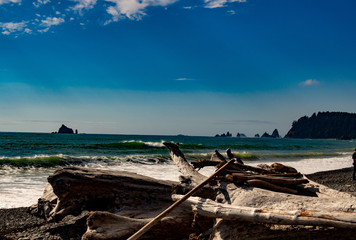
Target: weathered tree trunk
[
  {"x": 81, "y": 189},
  {"x": 209, "y": 208},
  {"x": 324, "y": 199},
  {"x": 272, "y": 179},
  {"x": 105, "y": 225},
  {"x": 184, "y": 167},
  {"x": 120, "y": 203}
]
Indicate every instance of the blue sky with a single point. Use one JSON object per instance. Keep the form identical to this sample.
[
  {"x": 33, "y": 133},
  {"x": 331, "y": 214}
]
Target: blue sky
[{"x": 197, "y": 67}]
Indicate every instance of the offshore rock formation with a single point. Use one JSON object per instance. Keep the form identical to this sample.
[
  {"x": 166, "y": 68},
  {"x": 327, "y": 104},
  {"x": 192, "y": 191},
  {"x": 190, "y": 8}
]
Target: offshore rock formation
[
  {"x": 240, "y": 135},
  {"x": 228, "y": 134},
  {"x": 66, "y": 130},
  {"x": 325, "y": 125},
  {"x": 275, "y": 134}
]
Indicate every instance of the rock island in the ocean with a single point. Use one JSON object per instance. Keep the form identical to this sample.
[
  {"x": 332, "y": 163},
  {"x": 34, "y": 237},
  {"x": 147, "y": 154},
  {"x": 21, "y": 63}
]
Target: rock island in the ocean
[{"x": 66, "y": 130}]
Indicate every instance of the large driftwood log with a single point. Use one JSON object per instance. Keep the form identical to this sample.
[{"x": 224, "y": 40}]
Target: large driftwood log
[
  {"x": 272, "y": 179},
  {"x": 209, "y": 208},
  {"x": 105, "y": 225},
  {"x": 81, "y": 189},
  {"x": 120, "y": 203},
  {"x": 325, "y": 199}
]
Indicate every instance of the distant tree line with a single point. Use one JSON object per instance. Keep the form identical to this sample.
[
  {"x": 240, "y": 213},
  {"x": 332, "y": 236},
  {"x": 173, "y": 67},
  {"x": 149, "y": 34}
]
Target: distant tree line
[{"x": 325, "y": 125}]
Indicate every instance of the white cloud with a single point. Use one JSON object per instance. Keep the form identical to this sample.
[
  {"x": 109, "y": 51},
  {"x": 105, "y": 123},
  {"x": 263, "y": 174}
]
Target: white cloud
[
  {"x": 184, "y": 79},
  {"x": 40, "y": 2},
  {"x": 83, "y": 4},
  {"x": 9, "y": 1},
  {"x": 28, "y": 31},
  {"x": 13, "y": 27},
  {"x": 113, "y": 10},
  {"x": 231, "y": 12},
  {"x": 49, "y": 22},
  {"x": 219, "y": 3},
  {"x": 309, "y": 82},
  {"x": 133, "y": 9}
]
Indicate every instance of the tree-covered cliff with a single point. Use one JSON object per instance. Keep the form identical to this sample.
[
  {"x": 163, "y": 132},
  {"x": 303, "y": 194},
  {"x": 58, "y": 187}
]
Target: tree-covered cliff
[{"x": 340, "y": 125}]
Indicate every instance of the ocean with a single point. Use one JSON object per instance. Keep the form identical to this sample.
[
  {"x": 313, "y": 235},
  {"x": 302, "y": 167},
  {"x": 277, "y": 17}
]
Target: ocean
[{"x": 27, "y": 159}]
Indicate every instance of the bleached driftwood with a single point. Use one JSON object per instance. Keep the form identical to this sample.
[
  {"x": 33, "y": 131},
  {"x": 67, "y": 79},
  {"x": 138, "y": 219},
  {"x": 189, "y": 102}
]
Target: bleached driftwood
[
  {"x": 184, "y": 167},
  {"x": 79, "y": 189},
  {"x": 105, "y": 225},
  {"x": 272, "y": 179},
  {"x": 179, "y": 202},
  {"x": 209, "y": 208},
  {"x": 120, "y": 203},
  {"x": 322, "y": 199}
]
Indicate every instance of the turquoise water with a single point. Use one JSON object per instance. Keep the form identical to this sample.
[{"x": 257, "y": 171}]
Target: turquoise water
[{"x": 26, "y": 159}]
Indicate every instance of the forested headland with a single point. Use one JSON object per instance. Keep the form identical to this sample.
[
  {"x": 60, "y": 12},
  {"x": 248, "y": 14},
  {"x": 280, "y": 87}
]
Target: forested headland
[{"x": 325, "y": 125}]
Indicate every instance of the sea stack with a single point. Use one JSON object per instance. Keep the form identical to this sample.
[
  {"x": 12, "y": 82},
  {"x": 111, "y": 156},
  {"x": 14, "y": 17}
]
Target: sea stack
[{"x": 65, "y": 129}]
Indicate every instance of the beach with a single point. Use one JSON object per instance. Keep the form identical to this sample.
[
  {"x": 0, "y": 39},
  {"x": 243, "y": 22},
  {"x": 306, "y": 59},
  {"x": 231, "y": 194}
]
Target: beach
[
  {"x": 27, "y": 159},
  {"x": 17, "y": 223}
]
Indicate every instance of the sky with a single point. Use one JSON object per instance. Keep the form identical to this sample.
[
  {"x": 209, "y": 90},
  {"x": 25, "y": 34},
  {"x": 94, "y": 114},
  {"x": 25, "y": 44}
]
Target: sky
[{"x": 167, "y": 67}]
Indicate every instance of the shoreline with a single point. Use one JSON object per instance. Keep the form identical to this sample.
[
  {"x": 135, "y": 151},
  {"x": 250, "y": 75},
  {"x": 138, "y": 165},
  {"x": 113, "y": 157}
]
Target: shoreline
[
  {"x": 17, "y": 223},
  {"x": 339, "y": 179}
]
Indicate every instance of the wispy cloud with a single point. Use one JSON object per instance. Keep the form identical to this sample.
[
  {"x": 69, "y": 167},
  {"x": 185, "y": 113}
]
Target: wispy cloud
[
  {"x": 309, "y": 82},
  {"x": 219, "y": 3},
  {"x": 83, "y": 4},
  {"x": 133, "y": 9},
  {"x": 13, "y": 27},
  {"x": 9, "y": 1},
  {"x": 49, "y": 22},
  {"x": 39, "y": 3},
  {"x": 185, "y": 79},
  {"x": 39, "y": 20},
  {"x": 231, "y": 12}
]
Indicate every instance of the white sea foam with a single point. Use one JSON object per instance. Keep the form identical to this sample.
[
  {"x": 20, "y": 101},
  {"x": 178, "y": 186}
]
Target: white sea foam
[
  {"x": 151, "y": 144},
  {"x": 21, "y": 188}
]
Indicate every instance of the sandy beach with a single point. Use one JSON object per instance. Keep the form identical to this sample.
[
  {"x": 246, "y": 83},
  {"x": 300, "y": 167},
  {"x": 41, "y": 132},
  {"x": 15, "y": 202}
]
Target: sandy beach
[{"x": 17, "y": 223}]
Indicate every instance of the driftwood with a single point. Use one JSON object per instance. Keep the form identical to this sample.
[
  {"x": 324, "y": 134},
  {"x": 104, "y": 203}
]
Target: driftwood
[
  {"x": 178, "y": 202},
  {"x": 105, "y": 225},
  {"x": 120, "y": 203},
  {"x": 209, "y": 208},
  {"x": 236, "y": 166},
  {"x": 321, "y": 199},
  {"x": 270, "y": 186},
  {"x": 79, "y": 189},
  {"x": 184, "y": 167},
  {"x": 217, "y": 157},
  {"x": 230, "y": 155},
  {"x": 291, "y": 181}
]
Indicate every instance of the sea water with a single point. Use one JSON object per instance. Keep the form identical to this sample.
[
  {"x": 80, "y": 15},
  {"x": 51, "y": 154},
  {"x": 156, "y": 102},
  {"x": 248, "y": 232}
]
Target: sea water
[{"x": 27, "y": 159}]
